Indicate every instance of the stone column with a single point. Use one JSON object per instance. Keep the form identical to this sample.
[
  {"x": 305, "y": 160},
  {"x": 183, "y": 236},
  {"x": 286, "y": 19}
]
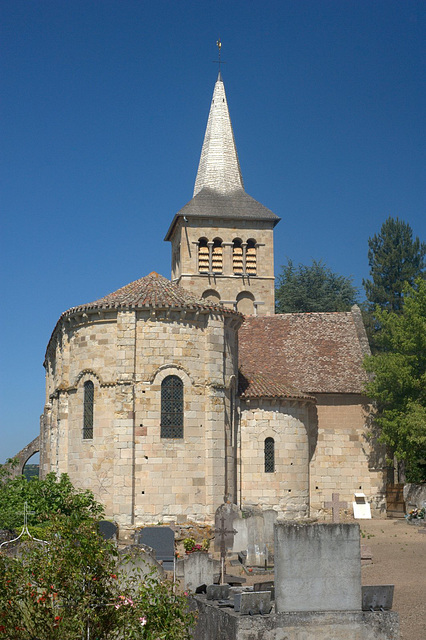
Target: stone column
[{"x": 124, "y": 422}]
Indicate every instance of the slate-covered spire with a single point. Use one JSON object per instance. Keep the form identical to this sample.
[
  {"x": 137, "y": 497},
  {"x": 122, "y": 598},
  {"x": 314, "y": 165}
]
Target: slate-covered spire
[{"x": 219, "y": 168}]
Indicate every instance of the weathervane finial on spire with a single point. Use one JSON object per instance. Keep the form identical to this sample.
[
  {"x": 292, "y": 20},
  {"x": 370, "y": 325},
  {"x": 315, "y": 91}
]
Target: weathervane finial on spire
[{"x": 219, "y": 46}]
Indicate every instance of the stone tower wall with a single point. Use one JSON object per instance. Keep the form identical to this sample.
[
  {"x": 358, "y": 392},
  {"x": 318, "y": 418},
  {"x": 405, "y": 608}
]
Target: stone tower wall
[{"x": 227, "y": 285}]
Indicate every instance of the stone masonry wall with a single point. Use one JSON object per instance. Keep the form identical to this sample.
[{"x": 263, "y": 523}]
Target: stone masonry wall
[
  {"x": 344, "y": 460},
  {"x": 287, "y": 487},
  {"x": 139, "y": 476}
]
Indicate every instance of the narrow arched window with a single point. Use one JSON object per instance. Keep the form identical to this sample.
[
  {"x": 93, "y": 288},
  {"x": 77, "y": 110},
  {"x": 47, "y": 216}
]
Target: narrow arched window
[
  {"x": 217, "y": 257},
  {"x": 237, "y": 256},
  {"x": 203, "y": 256},
  {"x": 89, "y": 397},
  {"x": 172, "y": 407},
  {"x": 251, "y": 266},
  {"x": 269, "y": 455}
]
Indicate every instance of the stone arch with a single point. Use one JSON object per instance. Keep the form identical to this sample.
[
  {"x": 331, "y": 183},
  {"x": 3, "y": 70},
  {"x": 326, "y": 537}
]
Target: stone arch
[
  {"x": 88, "y": 372},
  {"x": 245, "y": 303},
  {"x": 24, "y": 455},
  {"x": 211, "y": 295}
]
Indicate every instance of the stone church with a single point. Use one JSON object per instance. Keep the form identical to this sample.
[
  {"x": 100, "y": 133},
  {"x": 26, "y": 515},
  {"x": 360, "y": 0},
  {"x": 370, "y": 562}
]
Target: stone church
[{"x": 167, "y": 397}]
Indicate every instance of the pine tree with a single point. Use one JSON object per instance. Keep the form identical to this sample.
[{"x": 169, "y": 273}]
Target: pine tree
[{"x": 395, "y": 259}]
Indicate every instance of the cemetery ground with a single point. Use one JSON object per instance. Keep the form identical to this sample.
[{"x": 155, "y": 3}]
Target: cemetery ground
[{"x": 399, "y": 558}]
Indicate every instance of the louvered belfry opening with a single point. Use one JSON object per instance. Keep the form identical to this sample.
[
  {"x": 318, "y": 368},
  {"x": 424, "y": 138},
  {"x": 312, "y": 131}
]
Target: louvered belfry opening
[
  {"x": 251, "y": 262},
  {"x": 89, "y": 397},
  {"x": 172, "y": 407},
  {"x": 217, "y": 256},
  {"x": 269, "y": 455},
  {"x": 237, "y": 256},
  {"x": 203, "y": 256}
]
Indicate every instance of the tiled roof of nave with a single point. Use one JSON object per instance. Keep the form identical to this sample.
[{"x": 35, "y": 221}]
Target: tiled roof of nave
[{"x": 312, "y": 352}]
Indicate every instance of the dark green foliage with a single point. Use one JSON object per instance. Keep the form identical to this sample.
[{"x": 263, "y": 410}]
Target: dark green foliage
[
  {"x": 313, "y": 288},
  {"x": 395, "y": 259},
  {"x": 45, "y": 497},
  {"x": 31, "y": 471},
  {"x": 398, "y": 385}
]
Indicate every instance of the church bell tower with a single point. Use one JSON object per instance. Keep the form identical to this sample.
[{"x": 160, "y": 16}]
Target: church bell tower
[{"x": 222, "y": 239}]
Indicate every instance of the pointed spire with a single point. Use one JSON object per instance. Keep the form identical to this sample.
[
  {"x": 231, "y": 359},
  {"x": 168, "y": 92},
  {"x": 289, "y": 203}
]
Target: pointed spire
[{"x": 219, "y": 168}]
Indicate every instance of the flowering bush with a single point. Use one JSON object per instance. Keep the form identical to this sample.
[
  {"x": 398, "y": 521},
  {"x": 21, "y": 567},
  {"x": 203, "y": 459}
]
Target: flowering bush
[
  {"x": 416, "y": 514},
  {"x": 190, "y": 545},
  {"x": 72, "y": 588}
]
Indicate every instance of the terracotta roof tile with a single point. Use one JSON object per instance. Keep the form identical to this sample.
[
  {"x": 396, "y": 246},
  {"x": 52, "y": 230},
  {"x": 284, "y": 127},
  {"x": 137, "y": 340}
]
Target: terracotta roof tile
[
  {"x": 258, "y": 385},
  {"x": 311, "y": 352},
  {"x": 153, "y": 291}
]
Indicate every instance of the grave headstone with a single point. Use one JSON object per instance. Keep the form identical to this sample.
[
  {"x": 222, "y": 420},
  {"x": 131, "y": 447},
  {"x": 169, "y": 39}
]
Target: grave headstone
[
  {"x": 162, "y": 540},
  {"x": 108, "y": 530},
  {"x": 317, "y": 567},
  {"x": 257, "y": 555},
  {"x": 252, "y": 603},
  {"x": 217, "y": 591},
  {"x": 198, "y": 569},
  {"x": 361, "y": 507},
  {"x": 139, "y": 559},
  {"x": 335, "y": 505},
  {"x": 265, "y": 586},
  {"x": 225, "y": 532},
  {"x": 377, "y": 598}
]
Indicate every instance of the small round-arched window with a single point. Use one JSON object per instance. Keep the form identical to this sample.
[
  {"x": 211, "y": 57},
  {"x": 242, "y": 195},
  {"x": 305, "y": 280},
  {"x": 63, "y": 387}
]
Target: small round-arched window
[
  {"x": 172, "y": 407},
  {"x": 88, "y": 404},
  {"x": 269, "y": 455}
]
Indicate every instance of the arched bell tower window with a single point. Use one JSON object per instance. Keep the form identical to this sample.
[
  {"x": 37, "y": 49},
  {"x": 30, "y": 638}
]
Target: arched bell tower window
[
  {"x": 203, "y": 256},
  {"x": 237, "y": 256},
  {"x": 172, "y": 407},
  {"x": 89, "y": 397},
  {"x": 269, "y": 455},
  {"x": 251, "y": 266},
  {"x": 217, "y": 256}
]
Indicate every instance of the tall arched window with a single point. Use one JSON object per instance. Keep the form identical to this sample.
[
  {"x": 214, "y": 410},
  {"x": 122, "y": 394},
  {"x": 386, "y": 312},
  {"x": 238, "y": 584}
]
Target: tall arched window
[
  {"x": 237, "y": 256},
  {"x": 203, "y": 256},
  {"x": 217, "y": 258},
  {"x": 269, "y": 455},
  {"x": 172, "y": 407},
  {"x": 89, "y": 397},
  {"x": 251, "y": 265}
]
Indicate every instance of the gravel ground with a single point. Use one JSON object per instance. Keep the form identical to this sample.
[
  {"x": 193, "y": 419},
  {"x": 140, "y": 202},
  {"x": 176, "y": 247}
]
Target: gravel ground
[{"x": 399, "y": 558}]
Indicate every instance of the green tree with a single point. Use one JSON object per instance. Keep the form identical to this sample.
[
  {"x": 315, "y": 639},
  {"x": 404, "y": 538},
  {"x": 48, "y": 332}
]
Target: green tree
[
  {"x": 313, "y": 288},
  {"x": 395, "y": 259},
  {"x": 398, "y": 383},
  {"x": 45, "y": 498}
]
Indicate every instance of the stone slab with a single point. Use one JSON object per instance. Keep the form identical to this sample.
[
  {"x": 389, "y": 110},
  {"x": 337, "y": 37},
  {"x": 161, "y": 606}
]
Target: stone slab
[
  {"x": 377, "y": 597},
  {"x": 227, "y": 624},
  {"x": 253, "y": 603},
  {"x": 217, "y": 591},
  {"x": 317, "y": 567}
]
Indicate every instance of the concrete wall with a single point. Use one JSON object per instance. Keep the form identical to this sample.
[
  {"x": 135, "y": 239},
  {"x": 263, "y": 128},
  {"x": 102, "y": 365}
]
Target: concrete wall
[{"x": 317, "y": 567}]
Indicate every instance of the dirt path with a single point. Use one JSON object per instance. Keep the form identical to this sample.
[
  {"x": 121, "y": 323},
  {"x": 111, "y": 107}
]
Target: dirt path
[{"x": 399, "y": 558}]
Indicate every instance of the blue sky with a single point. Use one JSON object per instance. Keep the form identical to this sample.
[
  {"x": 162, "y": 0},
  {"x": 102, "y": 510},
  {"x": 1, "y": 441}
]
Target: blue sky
[{"x": 103, "y": 115}]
